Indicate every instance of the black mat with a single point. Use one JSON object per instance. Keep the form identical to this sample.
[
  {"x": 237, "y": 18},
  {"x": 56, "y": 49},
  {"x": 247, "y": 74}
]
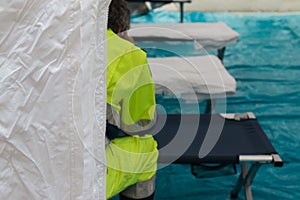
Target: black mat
[{"x": 181, "y": 139}]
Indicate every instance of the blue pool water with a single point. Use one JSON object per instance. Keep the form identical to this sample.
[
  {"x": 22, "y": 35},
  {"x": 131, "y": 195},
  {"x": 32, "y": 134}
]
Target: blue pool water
[{"x": 266, "y": 65}]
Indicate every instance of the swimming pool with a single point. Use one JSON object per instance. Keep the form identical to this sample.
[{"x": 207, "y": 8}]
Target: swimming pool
[{"x": 266, "y": 65}]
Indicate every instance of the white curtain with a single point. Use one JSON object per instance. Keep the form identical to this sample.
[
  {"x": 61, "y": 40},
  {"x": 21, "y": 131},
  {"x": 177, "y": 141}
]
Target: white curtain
[{"x": 52, "y": 99}]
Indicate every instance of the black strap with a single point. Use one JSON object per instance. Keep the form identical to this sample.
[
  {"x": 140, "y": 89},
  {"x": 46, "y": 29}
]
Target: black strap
[
  {"x": 122, "y": 197},
  {"x": 113, "y": 132}
]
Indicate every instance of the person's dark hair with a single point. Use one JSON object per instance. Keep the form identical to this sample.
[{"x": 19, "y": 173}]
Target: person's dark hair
[{"x": 118, "y": 16}]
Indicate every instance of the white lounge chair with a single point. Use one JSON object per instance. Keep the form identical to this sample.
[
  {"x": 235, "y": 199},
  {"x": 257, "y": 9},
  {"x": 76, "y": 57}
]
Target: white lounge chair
[
  {"x": 181, "y": 4},
  {"x": 192, "y": 78},
  {"x": 207, "y": 36}
]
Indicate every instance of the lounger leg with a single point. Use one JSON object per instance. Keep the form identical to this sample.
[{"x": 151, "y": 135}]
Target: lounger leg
[
  {"x": 210, "y": 106},
  {"x": 221, "y": 53},
  {"x": 245, "y": 179},
  {"x": 181, "y": 12},
  {"x": 248, "y": 192}
]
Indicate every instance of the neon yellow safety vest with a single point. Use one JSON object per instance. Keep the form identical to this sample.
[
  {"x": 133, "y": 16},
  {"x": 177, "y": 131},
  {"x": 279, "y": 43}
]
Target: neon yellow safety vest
[{"x": 130, "y": 88}]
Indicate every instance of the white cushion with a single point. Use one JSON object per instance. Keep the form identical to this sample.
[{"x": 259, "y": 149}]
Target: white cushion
[
  {"x": 207, "y": 36},
  {"x": 192, "y": 78}
]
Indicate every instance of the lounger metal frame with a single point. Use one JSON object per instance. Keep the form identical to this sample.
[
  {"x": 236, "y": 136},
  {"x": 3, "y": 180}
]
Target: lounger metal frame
[{"x": 247, "y": 176}]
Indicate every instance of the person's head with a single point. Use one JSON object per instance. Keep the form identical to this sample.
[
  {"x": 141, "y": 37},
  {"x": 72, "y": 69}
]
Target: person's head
[{"x": 118, "y": 16}]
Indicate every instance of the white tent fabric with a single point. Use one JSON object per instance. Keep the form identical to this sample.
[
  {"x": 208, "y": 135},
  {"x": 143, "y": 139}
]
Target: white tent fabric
[{"x": 52, "y": 99}]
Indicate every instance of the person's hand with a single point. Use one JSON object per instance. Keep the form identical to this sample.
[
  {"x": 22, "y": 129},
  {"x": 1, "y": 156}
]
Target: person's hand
[{"x": 125, "y": 36}]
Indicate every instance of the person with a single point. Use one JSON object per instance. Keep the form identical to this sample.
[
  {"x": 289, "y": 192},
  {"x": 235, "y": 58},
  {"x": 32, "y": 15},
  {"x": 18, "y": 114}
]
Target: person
[{"x": 131, "y": 153}]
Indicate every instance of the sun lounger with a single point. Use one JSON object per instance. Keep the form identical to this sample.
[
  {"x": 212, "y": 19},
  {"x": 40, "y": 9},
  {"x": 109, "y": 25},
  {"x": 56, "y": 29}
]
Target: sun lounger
[
  {"x": 206, "y": 36},
  {"x": 192, "y": 78},
  {"x": 236, "y": 139},
  {"x": 181, "y": 3}
]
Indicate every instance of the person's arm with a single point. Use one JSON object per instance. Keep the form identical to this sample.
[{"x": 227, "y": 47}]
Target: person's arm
[
  {"x": 138, "y": 107},
  {"x": 133, "y": 91}
]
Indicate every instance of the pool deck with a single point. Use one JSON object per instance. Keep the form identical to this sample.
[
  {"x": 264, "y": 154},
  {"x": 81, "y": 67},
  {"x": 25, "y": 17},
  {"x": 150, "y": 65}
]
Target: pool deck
[{"x": 239, "y": 6}]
